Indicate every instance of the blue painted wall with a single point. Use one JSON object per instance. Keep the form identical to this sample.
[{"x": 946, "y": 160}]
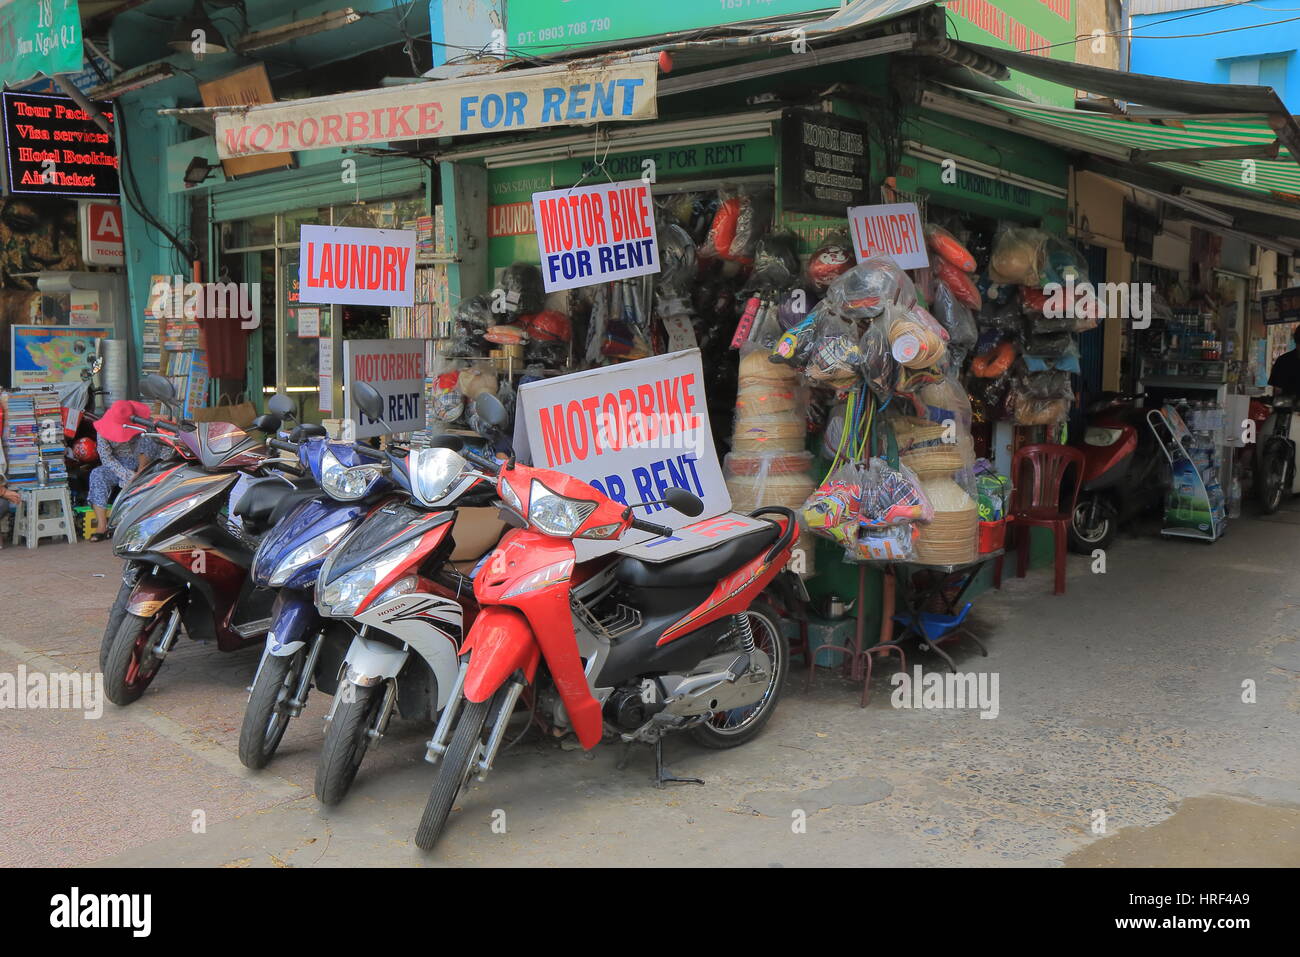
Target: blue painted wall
[{"x": 1224, "y": 57}]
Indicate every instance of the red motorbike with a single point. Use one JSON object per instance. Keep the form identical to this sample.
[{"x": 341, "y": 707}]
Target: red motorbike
[
  {"x": 616, "y": 644},
  {"x": 1124, "y": 471}
]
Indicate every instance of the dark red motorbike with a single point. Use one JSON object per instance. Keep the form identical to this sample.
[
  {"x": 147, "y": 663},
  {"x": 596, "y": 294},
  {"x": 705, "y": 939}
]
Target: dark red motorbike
[{"x": 1124, "y": 472}]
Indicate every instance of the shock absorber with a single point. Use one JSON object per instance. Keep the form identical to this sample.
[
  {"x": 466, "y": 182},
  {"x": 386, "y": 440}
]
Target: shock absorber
[{"x": 746, "y": 633}]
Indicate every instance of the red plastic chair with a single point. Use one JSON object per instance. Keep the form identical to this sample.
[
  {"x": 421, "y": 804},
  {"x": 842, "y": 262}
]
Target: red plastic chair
[{"x": 1038, "y": 474}]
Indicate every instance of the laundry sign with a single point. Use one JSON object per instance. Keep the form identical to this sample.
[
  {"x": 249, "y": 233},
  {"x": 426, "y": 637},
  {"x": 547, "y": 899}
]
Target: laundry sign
[
  {"x": 892, "y": 230},
  {"x": 353, "y": 266},
  {"x": 594, "y": 234}
]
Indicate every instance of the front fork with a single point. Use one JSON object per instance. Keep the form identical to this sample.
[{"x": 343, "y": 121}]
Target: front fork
[
  {"x": 352, "y": 678},
  {"x": 294, "y": 706},
  {"x": 167, "y": 640},
  {"x": 442, "y": 733}
]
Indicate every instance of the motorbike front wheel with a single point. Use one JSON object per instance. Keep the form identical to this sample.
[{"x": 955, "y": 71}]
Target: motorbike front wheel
[
  {"x": 346, "y": 740},
  {"x": 453, "y": 772},
  {"x": 129, "y": 578},
  {"x": 1094, "y": 526},
  {"x": 265, "y": 716},
  {"x": 1274, "y": 477},
  {"x": 130, "y": 665}
]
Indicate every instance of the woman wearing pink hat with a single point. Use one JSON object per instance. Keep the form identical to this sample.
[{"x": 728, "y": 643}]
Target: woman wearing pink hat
[{"x": 123, "y": 452}]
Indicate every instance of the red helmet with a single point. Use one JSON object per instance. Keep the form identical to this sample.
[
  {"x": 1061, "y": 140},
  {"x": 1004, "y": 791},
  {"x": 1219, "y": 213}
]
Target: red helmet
[
  {"x": 548, "y": 326},
  {"x": 85, "y": 451}
]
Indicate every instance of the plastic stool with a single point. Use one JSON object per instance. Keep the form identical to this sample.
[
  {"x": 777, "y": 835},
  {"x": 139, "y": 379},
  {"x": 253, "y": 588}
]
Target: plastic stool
[{"x": 31, "y": 524}]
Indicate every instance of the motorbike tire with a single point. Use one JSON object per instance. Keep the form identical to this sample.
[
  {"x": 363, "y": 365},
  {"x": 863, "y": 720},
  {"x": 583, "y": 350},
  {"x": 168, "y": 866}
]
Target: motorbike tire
[
  {"x": 1084, "y": 540},
  {"x": 712, "y": 736},
  {"x": 453, "y": 772},
  {"x": 346, "y": 742},
  {"x": 1274, "y": 477},
  {"x": 264, "y": 725},
  {"x": 115, "y": 617},
  {"x": 125, "y": 679}
]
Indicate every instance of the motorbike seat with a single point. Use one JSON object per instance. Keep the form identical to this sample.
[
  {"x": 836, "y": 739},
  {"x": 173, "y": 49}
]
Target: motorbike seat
[
  {"x": 268, "y": 500},
  {"x": 699, "y": 568}
]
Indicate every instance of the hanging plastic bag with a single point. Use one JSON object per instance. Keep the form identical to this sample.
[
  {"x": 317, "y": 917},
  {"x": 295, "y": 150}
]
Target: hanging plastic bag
[
  {"x": 959, "y": 283},
  {"x": 776, "y": 265},
  {"x": 955, "y": 317},
  {"x": 865, "y": 290},
  {"x": 835, "y": 355},
  {"x": 1019, "y": 256},
  {"x": 829, "y": 261},
  {"x": 879, "y": 368},
  {"x": 916, "y": 339},
  {"x": 1052, "y": 384},
  {"x": 945, "y": 245}
]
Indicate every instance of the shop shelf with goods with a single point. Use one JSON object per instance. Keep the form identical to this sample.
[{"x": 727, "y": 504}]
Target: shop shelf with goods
[{"x": 33, "y": 438}]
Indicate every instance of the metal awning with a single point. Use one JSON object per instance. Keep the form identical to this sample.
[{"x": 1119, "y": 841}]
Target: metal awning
[{"x": 1238, "y": 151}]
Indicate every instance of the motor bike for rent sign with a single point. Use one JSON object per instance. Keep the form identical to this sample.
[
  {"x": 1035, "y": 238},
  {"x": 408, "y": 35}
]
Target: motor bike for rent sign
[
  {"x": 632, "y": 430},
  {"x": 594, "y": 234},
  {"x": 395, "y": 368},
  {"x": 358, "y": 267}
]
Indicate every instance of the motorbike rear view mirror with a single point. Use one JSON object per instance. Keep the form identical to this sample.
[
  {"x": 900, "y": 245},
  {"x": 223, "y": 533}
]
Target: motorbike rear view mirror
[
  {"x": 281, "y": 405},
  {"x": 270, "y": 424},
  {"x": 94, "y": 366},
  {"x": 158, "y": 388},
  {"x": 490, "y": 410},
  {"x": 369, "y": 401},
  {"x": 683, "y": 501}
]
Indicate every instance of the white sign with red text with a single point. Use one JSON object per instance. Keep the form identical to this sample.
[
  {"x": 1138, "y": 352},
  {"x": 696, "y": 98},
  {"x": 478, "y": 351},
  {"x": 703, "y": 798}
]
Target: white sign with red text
[
  {"x": 357, "y": 267},
  {"x": 395, "y": 368},
  {"x": 101, "y": 234},
  {"x": 632, "y": 430},
  {"x": 595, "y": 234},
  {"x": 893, "y": 231}
]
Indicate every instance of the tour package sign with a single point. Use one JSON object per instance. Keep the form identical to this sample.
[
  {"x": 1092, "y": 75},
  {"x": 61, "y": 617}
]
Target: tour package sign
[
  {"x": 358, "y": 267},
  {"x": 53, "y": 148},
  {"x": 594, "y": 234},
  {"x": 632, "y": 430}
]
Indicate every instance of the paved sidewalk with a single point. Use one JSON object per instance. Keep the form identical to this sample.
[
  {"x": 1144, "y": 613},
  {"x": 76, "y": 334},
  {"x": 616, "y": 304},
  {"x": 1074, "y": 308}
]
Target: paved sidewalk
[{"x": 1123, "y": 696}]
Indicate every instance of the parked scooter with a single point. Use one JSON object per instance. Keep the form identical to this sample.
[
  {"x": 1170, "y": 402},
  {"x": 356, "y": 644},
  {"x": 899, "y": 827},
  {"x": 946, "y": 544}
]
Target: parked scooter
[
  {"x": 393, "y": 580},
  {"x": 1124, "y": 472},
  {"x": 1276, "y": 476},
  {"x": 637, "y": 647},
  {"x": 191, "y": 560},
  {"x": 302, "y": 648}
]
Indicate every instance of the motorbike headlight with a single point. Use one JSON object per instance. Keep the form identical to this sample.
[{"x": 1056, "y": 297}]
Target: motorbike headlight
[
  {"x": 555, "y": 514},
  {"x": 305, "y": 554},
  {"x": 434, "y": 472},
  {"x": 343, "y": 483},
  {"x": 1096, "y": 435},
  {"x": 509, "y": 496},
  {"x": 550, "y": 575},
  {"x": 342, "y": 597},
  {"x": 135, "y": 537}
]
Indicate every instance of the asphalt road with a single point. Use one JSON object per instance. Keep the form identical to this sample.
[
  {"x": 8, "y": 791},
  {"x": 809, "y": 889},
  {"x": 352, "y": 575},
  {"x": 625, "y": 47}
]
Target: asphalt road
[{"x": 1121, "y": 737}]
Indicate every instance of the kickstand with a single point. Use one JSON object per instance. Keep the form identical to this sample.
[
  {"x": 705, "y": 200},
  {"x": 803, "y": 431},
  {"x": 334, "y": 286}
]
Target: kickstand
[
  {"x": 662, "y": 774},
  {"x": 624, "y": 755}
]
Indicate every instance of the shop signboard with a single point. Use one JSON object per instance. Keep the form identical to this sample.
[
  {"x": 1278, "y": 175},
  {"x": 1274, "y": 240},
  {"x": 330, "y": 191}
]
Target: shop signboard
[
  {"x": 1280, "y": 306},
  {"x": 354, "y": 266},
  {"x": 892, "y": 230},
  {"x": 53, "y": 148},
  {"x": 593, "y": 234},
  {"x": 1041, "y": 27},
  {"x": 507, "y": 102},
  {"x": 632, "y": 430},
  {"x": 102, "y": 241},
  {"x": 553, "y": 26},
  {"x": 46, "y": 355},
  {"x": 38, "y": 36},
  {"x": 395, "y": 368},
  {"x": 825, "y": 163},
  {"x": 247, "y": 87}
]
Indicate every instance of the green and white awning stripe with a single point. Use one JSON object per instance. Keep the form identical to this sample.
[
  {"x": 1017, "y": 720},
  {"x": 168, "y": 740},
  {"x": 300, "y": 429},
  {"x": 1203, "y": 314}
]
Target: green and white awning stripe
[{"x": 1278, "y": 178}]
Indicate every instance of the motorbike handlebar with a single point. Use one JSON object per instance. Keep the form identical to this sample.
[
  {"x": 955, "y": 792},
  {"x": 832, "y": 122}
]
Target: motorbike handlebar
[
  {"x": 282, "y": 445},
  {"x": 661, "y": 530}
]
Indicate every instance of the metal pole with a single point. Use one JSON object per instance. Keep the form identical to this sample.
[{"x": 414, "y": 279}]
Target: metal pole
[{"x": 69, "y": 90}]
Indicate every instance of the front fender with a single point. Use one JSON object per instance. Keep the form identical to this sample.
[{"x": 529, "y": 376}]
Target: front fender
[
  {"x": 499, "y": 643},
  {"x": 293, "y": 618},
  {"x": 151, "y": 595},
  {"x": 369, "y": 662}
]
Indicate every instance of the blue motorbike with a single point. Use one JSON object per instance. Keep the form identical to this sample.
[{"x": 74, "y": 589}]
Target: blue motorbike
[{"x": 302, "y": 647}]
